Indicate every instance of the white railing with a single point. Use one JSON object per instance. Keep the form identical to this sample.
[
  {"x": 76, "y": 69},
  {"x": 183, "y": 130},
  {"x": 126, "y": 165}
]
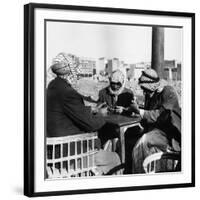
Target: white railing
[{"x": 71, "y": 156}]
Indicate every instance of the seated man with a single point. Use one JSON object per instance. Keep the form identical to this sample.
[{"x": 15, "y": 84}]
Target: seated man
[
  {"x": 116, "y": 97},
  {"x": 66, "y": 112},
  {"x": 161, "y": 118}
]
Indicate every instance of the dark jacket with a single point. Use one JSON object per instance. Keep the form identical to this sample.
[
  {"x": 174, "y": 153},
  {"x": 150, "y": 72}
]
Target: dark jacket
[
  {"x": 162, "y": 111},
  {"x": 66, "y": 112},
  {"x": 167, "y": 99}
]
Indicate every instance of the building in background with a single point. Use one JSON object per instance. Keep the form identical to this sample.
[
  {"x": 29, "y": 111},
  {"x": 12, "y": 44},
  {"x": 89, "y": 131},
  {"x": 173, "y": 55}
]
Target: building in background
[
  {"x": 87, "y": 67},
  {"x": 125, "y": 68},
  {"x": 109, "y": 67},
  {"x": 121, "y": 64},
  {"x": 137, "y": 68},
  {"x": 100, "y": 69},
  {"x": 112, "y": 65},
  {"x": 115, "y": 64},
  {"x": 179, "y": 71},
  {"x": 172, "y": 70},
  {"x": 130, "y": 71}
]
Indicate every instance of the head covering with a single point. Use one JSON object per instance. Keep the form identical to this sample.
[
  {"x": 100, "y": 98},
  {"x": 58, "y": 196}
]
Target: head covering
[
  {"x": 66, "y": 66},
  {"x": 117, "y": 76},
  {"x": 150, "y": 81}
]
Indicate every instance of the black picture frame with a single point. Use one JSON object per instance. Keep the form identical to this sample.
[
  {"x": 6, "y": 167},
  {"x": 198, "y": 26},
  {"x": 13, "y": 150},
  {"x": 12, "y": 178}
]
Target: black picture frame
[{"x": 29, "y": 97}]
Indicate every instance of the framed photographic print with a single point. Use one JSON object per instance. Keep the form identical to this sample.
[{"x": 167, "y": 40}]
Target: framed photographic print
[{"x": 109, "y": 99}]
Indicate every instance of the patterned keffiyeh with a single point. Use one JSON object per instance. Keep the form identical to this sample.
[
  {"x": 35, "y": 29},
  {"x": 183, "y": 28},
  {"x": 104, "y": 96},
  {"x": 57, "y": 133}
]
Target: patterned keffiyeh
[
  {"x": 150, "y": 81},
  {"x": 66, "y": 66}
]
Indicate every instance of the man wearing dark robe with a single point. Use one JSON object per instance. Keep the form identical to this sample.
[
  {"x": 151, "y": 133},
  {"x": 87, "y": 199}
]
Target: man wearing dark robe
[
  {"x": 66, "y": 113},
  {"x": 161, "y": 119}
]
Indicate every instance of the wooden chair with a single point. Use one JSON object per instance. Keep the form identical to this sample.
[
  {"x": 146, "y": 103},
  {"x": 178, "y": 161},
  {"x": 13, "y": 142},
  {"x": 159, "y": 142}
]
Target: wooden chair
[
  {"x": 162, "y": 162},
  {"x": 71, "y": 156}
]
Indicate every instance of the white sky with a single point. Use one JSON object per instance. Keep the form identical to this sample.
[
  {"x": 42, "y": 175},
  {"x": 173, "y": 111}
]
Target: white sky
[{"x": 131, "y": 44}]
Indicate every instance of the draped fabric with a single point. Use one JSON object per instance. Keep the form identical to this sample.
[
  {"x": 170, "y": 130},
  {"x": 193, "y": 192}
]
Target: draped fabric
[
  {"x": 162, "y": 122},
  {"x": 67, "y": 67},
  {"x": 117, "y": 76},
  {"x": 67, "y": 115}
]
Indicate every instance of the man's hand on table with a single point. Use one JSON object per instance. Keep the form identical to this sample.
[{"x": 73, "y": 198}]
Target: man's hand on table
[
  {"x": 135, "y": 107},
  {"x": 101, "y": 109},
  {"x": 119, "y": 109}
]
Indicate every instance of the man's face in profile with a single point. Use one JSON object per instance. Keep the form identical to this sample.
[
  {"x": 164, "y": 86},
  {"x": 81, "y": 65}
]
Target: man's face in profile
[{"x": 147, "y": 92}]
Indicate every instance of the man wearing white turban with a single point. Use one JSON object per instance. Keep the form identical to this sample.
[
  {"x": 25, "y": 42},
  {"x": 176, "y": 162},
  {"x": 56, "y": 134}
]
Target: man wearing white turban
[
  {"x": 116, "y": 96},
  {"x": 118, "y": 100}
]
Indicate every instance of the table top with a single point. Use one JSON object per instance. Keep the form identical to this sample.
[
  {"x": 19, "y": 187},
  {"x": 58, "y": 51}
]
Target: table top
[{"x": 121, "y": 120}]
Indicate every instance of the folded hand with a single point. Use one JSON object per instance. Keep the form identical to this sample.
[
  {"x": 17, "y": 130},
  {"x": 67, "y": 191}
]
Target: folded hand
[
  {"x": 135, "y": 107},
  {"x": 119, "y": 109}
]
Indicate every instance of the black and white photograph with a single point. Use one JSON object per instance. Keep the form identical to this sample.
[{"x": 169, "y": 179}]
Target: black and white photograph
[{"x": 112, "y": 100}]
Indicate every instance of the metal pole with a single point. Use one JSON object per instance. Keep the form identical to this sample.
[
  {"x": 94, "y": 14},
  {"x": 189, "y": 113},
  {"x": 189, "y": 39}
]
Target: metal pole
[{"x": 157, "y": 60}]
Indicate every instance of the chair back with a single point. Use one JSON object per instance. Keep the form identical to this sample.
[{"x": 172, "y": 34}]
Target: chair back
[
  {"x": 162, "y": 162},
  {"x": 71, "y": 156}
]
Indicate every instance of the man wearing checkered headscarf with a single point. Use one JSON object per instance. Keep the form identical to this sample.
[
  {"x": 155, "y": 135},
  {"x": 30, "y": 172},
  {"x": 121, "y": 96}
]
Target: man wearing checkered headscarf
[
  {"x": 66, "y": 66},
  {"x": 66, "y": 112},
  {"x": 149, "y": 80},
  {"x": 161, "y": 119}
]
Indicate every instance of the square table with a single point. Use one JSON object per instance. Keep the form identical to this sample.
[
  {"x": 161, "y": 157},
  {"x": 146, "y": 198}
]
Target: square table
[{"x": 123, "y": 123}]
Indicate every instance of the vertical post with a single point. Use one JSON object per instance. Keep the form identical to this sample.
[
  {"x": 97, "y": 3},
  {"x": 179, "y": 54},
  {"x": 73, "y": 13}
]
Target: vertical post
[
  {"x": 170, "y": 74},
  {"x": 157, "y": 59}
]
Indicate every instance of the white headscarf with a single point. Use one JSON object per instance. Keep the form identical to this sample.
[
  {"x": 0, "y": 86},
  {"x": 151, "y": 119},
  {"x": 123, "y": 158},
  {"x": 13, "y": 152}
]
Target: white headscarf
[{"x": 118, "y": 76}]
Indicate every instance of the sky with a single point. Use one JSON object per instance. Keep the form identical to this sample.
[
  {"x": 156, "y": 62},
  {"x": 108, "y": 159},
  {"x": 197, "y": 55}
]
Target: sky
[{"x": 131, "y": 44}]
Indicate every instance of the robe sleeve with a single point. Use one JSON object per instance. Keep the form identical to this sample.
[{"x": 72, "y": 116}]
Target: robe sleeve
[
  {"x": 169, "y": 101},
  {"x": 81, "y": 115}
]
